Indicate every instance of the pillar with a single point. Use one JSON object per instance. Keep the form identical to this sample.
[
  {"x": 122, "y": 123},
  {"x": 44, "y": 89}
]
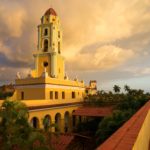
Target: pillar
[{"x": 54, "y": 65}]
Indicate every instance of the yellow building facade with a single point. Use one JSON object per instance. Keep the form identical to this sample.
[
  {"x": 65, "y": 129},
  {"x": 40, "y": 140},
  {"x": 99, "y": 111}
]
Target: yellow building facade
[{"x": 47, "y": 91}]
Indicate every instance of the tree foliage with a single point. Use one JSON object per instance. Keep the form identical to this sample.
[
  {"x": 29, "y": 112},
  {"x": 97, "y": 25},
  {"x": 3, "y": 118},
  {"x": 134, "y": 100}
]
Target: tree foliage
[
  {"x": 15, "y": 131},
  {"x": 116, "y": 89},
  {"x": 5, "y": 95},
  {"x": 125, "y": 105}
]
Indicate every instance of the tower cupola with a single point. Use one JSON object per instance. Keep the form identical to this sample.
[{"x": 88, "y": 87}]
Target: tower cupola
[
  {"x": 50, "y": 11},
  {"x": 50, "y": 33}
]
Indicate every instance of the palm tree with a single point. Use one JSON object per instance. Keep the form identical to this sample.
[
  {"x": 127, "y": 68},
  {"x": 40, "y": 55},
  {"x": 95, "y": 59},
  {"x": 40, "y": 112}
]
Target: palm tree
[
  {"x": 127, "y": 88},
  {"x": 116, "y": 89}
]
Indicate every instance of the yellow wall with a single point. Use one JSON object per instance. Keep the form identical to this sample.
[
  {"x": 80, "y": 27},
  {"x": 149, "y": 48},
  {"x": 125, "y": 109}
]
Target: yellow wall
[
  {"x": 52, "y": 113},
  {"x": 42, "y": 91},
  {"x": 46, "y": 57},
  {"x": 40, "y": 114},
  {"x": 39, "y": 88},
  {"x": 43, "y": 102},
  {"x": 40, "y": 64},
  {"x": 54, "y": 26},
  {"x": 68, "y": 94},
  {"x": 49, "y": 80},
  {"x": 30, "y": 93},
  {"x": 61, "y": 68},
  {"x": 143, "y": 139}
]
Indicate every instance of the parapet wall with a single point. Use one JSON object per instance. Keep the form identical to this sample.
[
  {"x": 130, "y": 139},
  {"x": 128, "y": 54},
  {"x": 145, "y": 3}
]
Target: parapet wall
[{"x": 143, "y": 139}]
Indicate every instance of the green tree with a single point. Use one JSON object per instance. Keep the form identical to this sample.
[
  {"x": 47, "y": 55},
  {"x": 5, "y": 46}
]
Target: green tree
[
  {"x": 116, "y": 89},
  {"x": 15, "y": 131},
  {"x": 127, "y": 88},
  {"x": 111, "y": 123},
  {"x": 127, "y": 105}
]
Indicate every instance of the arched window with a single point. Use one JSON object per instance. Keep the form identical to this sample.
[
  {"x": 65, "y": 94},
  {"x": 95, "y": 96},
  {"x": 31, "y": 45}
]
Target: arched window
[
  {"x": 59, "y": 47},
  {"x": 57, "y": 122},
  {"x": 67, "y": 120},
  {"x": 45, "y": 45},
  {"x": 58, "y": 34},
  {"x": 35, "y": 122},
  {"x": 46, "y": 32},
  {"x": 73, "y": 119},
  {"x": 47, "y": 122}
]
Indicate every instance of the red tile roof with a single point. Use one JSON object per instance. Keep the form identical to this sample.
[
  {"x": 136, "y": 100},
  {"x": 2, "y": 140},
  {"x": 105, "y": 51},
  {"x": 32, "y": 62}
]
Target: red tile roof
[
  {"x": 94, "y": 111},
  {"x": 61, "y": 141},
  {"x": 51, "y": 11},
  {"x": 40, "y": 106},
  {"x": 125, "y": 137}
]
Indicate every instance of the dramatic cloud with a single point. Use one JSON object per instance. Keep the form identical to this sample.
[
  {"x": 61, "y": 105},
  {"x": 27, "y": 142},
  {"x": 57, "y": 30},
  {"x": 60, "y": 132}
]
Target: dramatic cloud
[
  {"x": 103, "y": 58},
  {"x": 8, "y": 74},
  {"x": 99, "y": 37},
  {"x": 137, "y": 71}
]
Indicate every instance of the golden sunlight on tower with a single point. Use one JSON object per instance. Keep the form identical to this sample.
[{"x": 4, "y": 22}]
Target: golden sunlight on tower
[{"x": 48, "y": 56}]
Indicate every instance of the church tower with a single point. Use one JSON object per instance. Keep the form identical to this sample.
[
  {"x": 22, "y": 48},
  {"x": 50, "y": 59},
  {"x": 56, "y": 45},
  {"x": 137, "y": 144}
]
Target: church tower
[
  {"x": 47, "y": 91},
  {"x": 48, "y": 80},
  {"x": 48, "y": 56}
]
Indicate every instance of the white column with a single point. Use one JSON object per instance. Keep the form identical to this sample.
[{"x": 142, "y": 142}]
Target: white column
[{"x": 53, "y": 39}]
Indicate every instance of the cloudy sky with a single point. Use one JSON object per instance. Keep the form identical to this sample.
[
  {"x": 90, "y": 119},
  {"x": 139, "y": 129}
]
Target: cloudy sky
[{"x": 104, "y": 40}]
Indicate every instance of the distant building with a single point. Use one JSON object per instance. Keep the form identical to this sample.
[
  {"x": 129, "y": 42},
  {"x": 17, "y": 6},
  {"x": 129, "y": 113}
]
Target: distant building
[{"x": 92, "y": 88}]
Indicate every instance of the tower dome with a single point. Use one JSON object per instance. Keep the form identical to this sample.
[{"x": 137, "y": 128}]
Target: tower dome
[{"x": 50, "y": 11}]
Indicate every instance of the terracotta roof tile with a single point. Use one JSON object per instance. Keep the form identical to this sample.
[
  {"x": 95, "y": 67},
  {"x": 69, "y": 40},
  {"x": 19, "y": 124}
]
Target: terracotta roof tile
[
  {"x": 125, "y": 137},
  {"x": 50, "y": 11},
  {"x": 61, "y": 141},
  {"x": 93, "y": 111}
]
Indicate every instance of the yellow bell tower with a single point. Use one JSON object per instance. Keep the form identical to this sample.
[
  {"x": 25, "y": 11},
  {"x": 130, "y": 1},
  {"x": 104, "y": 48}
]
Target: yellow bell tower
[
  {"x": 47, "y": 91},
  {"x": 48, "y": 56}
]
